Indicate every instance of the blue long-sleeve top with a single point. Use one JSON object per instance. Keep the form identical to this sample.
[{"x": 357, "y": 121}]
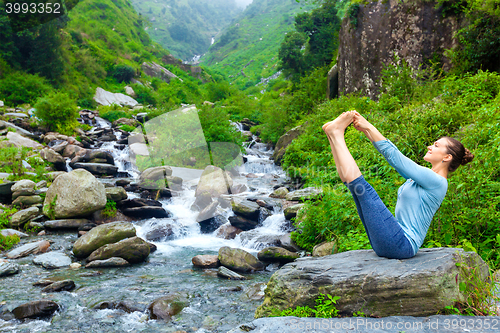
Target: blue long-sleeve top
[{"x": 418, "y": 198}]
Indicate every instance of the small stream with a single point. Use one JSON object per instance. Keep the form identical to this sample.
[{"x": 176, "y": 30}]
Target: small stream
[{"x": 215, "y": 304}]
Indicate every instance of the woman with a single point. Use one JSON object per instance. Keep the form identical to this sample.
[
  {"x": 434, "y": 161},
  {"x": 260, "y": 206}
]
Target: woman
[{"x": 419, "y": 197}]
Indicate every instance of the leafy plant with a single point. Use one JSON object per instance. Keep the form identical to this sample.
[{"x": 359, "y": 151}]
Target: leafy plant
[
  {"x": 5, "y": 215},
  {"x": 110, "y": 209},
  {"x": 7, "y": 242},
  {"x": 58, "y": 112},
  {"x": 325, "y": 308}
]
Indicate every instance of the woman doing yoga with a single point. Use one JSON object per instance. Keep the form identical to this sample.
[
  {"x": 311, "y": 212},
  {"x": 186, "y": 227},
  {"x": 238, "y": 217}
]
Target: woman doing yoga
[{"x": 399, "y": 236}]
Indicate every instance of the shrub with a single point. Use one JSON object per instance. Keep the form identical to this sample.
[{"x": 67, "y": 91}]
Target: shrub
[
  {"x": 18, "y": 88},
  {"x": 122, "y": 73},
  {"x": 58, "y": 112}
]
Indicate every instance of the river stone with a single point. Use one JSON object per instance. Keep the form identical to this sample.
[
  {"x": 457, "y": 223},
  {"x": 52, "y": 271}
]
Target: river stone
[
  {"x": 419, "y": 286},
  {"x": 206, "y": 261},
  {"x": 212, "y": 224},
  {"x": 8, "y": 268},
  {"x": 102, "y": 235},
  {"x": 214, "y": 180},
  {"x": 160, "y": 232},
  {"x": 23, "y": 201},
  {"x": 35, "y": 309},
  {"x": 54, "y": 174},
  {"x": 58, "y": 146},
  {"x": 154, "y": 178},
  {"x": 74, "y": 194},
  {"x": 284, "y": 141},
  {"x": 255, "y": 292},
  {"x": 51, "y": 156},
  {"x": 97, "y": 168},
  {"x": 6, "y": 189},
  {"x": 308, "y": 193},
  {"x": 291, "y": 212},
  {"x": 116, "y": 193},
  {"x": 207, "y": 212},
  {"x": 24, "y": 185},
  {"x": 147, "y": 212},
  {"x": 246, "y": 208},
  {"x": 104, "y": 97},
  {"x": 227, "y": 231},
  {"x": 65, "y": 285},
  {"x": 111, "y": 262},
  {"x": 287, "y": 242},
  {"x": 223, "y": 272},
  {"x": 239, "y": 260},
  {"x": 243, "y": 223},
  {"x": 134, "y": 250},
  {"x": 18, "y": 219},
  {"x": 325, "y": 249},
  {"x": 167, "y": 306},
  {"x": 73, "y": 150},
  {"x": 276, "y": 254},
  {"x": 52, "y": 260},
  {"x": 279, "y": 193},
  {"x": 66, "y": 224},
  {"x": 21, "y": 141},
  {"x": 27, "y": 249},
  {"x": 202, "y": 201},
  {"x": 10, "y": 232}
]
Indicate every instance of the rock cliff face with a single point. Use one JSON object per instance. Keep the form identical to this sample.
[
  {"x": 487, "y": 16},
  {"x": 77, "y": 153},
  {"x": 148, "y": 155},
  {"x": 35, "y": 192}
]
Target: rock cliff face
[{"x": 414, "y": 30}]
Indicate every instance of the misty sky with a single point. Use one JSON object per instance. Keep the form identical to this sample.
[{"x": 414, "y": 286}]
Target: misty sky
[{"x": 243, "y": 3}]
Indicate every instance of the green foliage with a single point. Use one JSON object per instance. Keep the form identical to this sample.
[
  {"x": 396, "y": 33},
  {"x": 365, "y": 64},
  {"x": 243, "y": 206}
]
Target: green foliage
[
  {"x": 8, "y": 242},
  {"x": 18, "y": 88},
  {"x": 325, "y": 308},
  {"x": 58, "y": 112},
  {"x": 51, "y": 210},
  {"x": 114, "y": 112},
  {"x": 5, "y": 216},
  {"x": 122, "y": 73},
  {"x": 110, "y": 209},
  {"x": 127, "y": 128},
  {"x": 11, "y": 160}
]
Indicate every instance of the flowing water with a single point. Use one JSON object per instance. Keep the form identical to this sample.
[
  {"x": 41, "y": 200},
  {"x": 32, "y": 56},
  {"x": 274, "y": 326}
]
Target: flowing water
[{"x": 215, "y": 304}]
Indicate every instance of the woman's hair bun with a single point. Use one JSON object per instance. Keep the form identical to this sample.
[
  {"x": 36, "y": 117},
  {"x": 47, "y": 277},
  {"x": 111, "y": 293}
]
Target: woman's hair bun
[{"x": 467, "y": 157}]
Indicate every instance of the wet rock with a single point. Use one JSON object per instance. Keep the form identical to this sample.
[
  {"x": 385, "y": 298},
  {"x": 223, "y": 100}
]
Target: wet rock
[
  {"x": 268, "y": 203},
  {"x": 35, "y": 309},
  {"x": 211, "y": 224},
  {"x": 21, "y": 141},
  {"x": 206, "y": 261},
  {"x": 58, "y": 145},
  {"x": 111, "y": 262},
  {"x": 228, "y": 231},
  {"x": 160, "y": 232},
  {"x": 154, "y": 178},
  {"x": 102, "y": 235},
  {"x": 166, "y": 307},
  {"x": 52, "y": 260},
  {"x": 245, "y": 208},
  {"x": 277, "y": 254},
  {"x": 378, "y": 286},
  {"x": 214, "y": 180},
  {"x": 134, "y": 250},
  {"x": 147, "y": 212},
  {"x": 122, "y": 182},
  {"x": 256, "y": 291},
  {"x": 202, "y": 201},
  {"x": 74, "y": 194},
  {"x": 66, "y": 224},
  {"x": 97, "y": 168},
  {"x": 279, "y": 193},
  {"x": 71, "y": 151},
  {"x": 243, "y": 223},
  {"x": 25, "y": 201},
  {"x": 65, "y": 285},
  {"x": 75, "y": 265},
  {"x": 223, "y": 272},
  {"x": 239, "y": 260},
  {"x": 308, "y": 193},
  {"x": 230, "y": 289},
  {"x": 324, "y": 249},
  {"x": 23, "y": 187},
  {"x": 116, "y": 193},
  {"x": 44, "y": 282},
  {"x": 152, "y": 248},
  {"x": 10, "y": 232},
  {"x": 27, "y": 249},
  {"x": 8, "y": 268},
  {"x": 51, "y": 156},
  {"x": 137, "y": 202},
  {"x": 239, "y": 188},
  {"x": 287, "y": 243},
  {"x": 291, "y": 212}
]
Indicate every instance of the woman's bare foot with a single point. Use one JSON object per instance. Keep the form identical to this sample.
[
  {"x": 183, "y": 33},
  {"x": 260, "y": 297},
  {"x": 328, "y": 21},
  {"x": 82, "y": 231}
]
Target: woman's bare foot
[{"x": 338, "y": 126}]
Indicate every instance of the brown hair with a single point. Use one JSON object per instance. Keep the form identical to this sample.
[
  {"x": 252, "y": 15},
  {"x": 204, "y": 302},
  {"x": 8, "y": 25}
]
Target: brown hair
[{"x": 460, "y": 154}]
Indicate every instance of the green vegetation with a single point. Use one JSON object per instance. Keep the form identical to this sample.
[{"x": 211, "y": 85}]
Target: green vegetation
[
  {"x": 110, "y": 209},
  {"x": 325, "y": 308},
  {"x": 8, "y": 242},
  {"x": 58, "y": 112}
]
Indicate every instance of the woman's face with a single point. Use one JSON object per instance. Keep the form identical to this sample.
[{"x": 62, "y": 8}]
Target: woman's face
[{"x": 438, "y": 152}]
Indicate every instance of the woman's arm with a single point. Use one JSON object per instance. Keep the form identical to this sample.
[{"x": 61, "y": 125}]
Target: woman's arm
[{"x": 371, "y": 132}]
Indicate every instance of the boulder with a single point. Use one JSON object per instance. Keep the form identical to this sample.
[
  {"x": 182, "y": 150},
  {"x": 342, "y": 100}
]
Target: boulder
[
  {"x": 24, "y": 186},
  {"x": 154, "y": 70},
  {"x": 211, "y": 224},
  {"x": 64, "y": 285},
  {"x": 52, "y": 260},
  {"x": 107, "y": 263},
  {"x": 202, "y": 200},
  {"x": 147, "y": 212},
  {"x": 239, "y": 260},
  {"x": 27, "y": 249},
  {"x": 277, "y": 254},
  {"x": 73, "y": 150},
  {"x": 102, "y": 235},
  {"x": 243, "y": 223},
  {"x": 8, "y": 268},
  {"x": 126, "y": 121},
  {"x": 227, "y": 231},
  {"x": 419, "y": 286},
  {"x": 160, "y": 232},
  {"x": 116, "y": 193},
  {"x": 53, "y": 175},
  {"x": 258, "y": 239},
  {"x": 65, "y": 224},
  {"x": 324, "y": 249},
  {"x": 207, "y": 212},
  {"x": 206, "y": 261},
  {"x": 21, "y": 141},
  {"x": 97, "y": 168},
  {"x": 165, "y": 307},
  {"x": 134, "y": 250},
  {"x": 10, "y": 232},
  {"x": 308, "y": 193},
  {"x": 130, "y": 91},
  {"x": 287, "y": 242},
  {"x": 104, "y": 97},
  {"x": 21, "y": 217},
  {"x": 246, "y": 208},
  {"x": 26, "y": 201},
  {"x": 35, "y": 309},
  {"x": 291, "y": 211},
  {"x": 214, "y": 180},
  {"x": 74, "y": 194},
  {"x": 53, "y": 157},
  {"x": 154, "y": 178},
  {"x": 279, "y": 193},
  {"x": 284, "y": 141},
  {"x": 58, "y": 146},
  {"x": 225, "y": 273}
]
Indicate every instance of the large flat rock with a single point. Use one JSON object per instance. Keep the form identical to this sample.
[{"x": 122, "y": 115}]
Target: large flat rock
[
  {"x": 396, "y": 324},
  {"x": 381, "y": 287}
]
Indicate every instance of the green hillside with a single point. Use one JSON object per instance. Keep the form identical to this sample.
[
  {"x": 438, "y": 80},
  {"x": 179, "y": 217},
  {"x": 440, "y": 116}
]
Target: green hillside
[
  {"x": 247, "y": 50},
  {"x": 186, "y": 27}
]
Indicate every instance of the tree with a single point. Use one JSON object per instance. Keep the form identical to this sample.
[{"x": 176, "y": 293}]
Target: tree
[{"x": 291, "y": 54}]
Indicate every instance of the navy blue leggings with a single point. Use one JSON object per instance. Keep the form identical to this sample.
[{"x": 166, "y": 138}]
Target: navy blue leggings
[{"x": 384, "y": 232}]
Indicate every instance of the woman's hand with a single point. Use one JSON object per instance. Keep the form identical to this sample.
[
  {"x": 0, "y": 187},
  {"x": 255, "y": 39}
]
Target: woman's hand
[{"x": 360, "y": 123}]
